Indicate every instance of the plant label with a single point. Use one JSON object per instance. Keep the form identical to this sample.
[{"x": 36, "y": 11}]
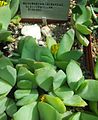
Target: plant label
[{"x": 44, "y": 9}]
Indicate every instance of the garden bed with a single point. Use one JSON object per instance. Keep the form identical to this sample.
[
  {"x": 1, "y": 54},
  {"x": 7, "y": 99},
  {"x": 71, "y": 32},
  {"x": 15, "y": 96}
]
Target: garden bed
[{"x": 55, "y": 73}]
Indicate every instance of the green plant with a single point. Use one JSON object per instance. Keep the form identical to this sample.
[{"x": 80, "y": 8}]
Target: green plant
[
  {"x": 5, "y": 15},
  {"x": 45, "y": 90},
  {"x": 5, "y": 18},
  {"x": 57, "y": 54},
  {"x": 82, "y": 21}
]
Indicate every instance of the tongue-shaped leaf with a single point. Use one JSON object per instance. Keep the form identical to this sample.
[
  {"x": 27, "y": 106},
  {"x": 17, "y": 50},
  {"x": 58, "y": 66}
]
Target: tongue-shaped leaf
[
  {"x": 3, "y": 116},
  {"x": 66, "y": 42},
  {"x": 89, "y": 90},
  {"x": 3, "y": 103},
  {"x": 4, "y": 87},
  {"x": 59, "y": 79},
  {"x": 74, "y": 75},
  {"x": 75, "y": 101},
  {"x": 8, "y": 74},
  {"x": 27, "y": 112},
  {"x": 44, "y": 78},
  {"x": 5, "y": 16},
  {"x": 86, "y": 116},
  {"x": 75, "y": 117},
  {"x": 47, "y": 112}
]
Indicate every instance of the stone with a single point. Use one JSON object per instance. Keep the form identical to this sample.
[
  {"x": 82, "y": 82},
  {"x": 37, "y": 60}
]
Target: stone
[{"x": 32, "y": 30}]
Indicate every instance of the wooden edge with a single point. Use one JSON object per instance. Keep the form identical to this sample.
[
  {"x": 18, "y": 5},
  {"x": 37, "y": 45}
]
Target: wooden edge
[
  {"x": 41, "y": 21},
  {"x": 89, "y": 62}
]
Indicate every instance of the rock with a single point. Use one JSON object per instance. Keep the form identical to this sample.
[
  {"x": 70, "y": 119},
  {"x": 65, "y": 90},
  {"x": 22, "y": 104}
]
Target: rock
[
  {"x": 31, "y": 30},
  {"x": 46, "y": 31}
]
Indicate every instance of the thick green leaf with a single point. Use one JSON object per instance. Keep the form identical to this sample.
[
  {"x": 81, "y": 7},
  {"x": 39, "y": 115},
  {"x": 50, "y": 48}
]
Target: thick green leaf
[
  {"x": 50, "y": 41},
  {"x": 44, "y": 78},
  {"x": 32, "y": 97},
  {"x": 38, "y": 65},
  {"x": 43, "y": 54},
  {"x": 93, "y": 107},
  {"x": 4, "y": 34},
  {"x": 86, "y": 15},
  {"x": 26, "y": 47},
  {"x": 28, "y": 62},
  {"x": 74, "y": 54},
  {"x": 5, "y": 16},
  {"x": 11, "y": 107},
  {"x": 62, "y": 64},
  {"x": 59, "y": 79},
  {"x": 8, "y": 74},
  {"x": 75, "y": 101},
  {"x": 66, "y": 42},
  {"x": 4, "y": 61},
  {"x": 75, "y": 116},
  {"x": 3, "y": 103},
  {"x": 86, "y": 116},
  {"x": 67, "y": 115},
  {"x": 74, "y": 75},
  {"x": 21, "y": 93},
  {"x": 24, "y": 84},
  {"x": 4, "y": 87},
  {"x": 3, "y": 116},
  {"x": 55, "y": 102},
  {"x": 47, "y": 112},
  {"x": 88, "y": 90},
  {"x": 25, "y": 76},
  {"x": 14, "y": 4},
  {"x": 27, "y": 112},
  {"x": 83, "y": 29},
  {"x": 88, "y": 23},
  {"x": 64, "y": 92},
  {"x": 82, "y": 39}
]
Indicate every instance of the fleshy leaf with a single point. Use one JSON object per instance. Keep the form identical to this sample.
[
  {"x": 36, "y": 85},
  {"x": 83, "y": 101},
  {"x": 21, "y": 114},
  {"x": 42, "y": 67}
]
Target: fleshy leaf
[
  {"x": 3, "y": 103},
  {"x": 62, "y": 64},
  {"x": 21, "y": 93},
  {"x": 32, "y": 97},
  {"x": 59, "y": 79},
  {"x": 4, "y": 61},
  {"x": 74, "y": 75},
  {"x": 82, "y": 39},
  {"x": 8, "y": 74},
  {"x": 86, "y": 116},
  {"x": 4, "y": 87},
  {"x": 75, "y": 117},
  {"x": 11, "y": 107},
  {"x": 5, "y": 16},
  {"x": 83, "y": 29},
  {"x": 27, "y": 112},
  {"x": 74, "y": 54},
  {"x": 47, "y": 112},
  {"x": 50, "y": 41},
  {"x": 26, "y": 76},
  {"x": 66, "y": 42},
  {"x": 14, "y": 4},
  {"x": 43, "y": 54},
  {"x": 88, "y": 90},
  {"x": 86, "y": 15},
  {"x": 3, "y": 116},
  {"x": 64, "y": 92},
  {"x": 75, "y": 101},
  {"x": 44, "y": 78},
  {"x": 26, "y": 47}
]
